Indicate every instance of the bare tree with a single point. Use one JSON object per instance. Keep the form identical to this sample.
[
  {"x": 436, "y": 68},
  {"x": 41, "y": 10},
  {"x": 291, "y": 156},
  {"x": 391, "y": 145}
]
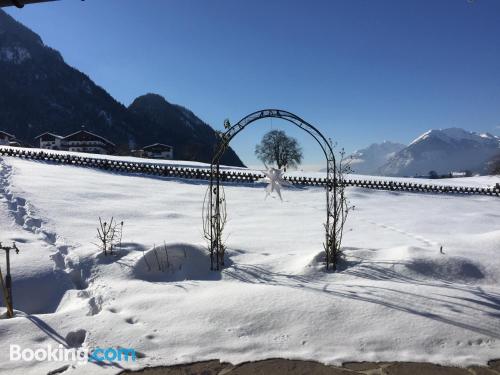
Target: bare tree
[
  {"x": 109, "y": 235},
  {"x": 278, "y": 148},
  {"x": 433, "y": 174},
  {"x": 339, "y": 208}
]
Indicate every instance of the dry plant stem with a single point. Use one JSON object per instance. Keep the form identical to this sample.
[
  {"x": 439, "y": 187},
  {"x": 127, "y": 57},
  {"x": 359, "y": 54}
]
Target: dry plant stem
[
  {"x": 166, "y": 254},
  {"x": 109, "y": 235},
  {"x": 157, "y": 259},
  {"x": 339, "y": 208},
  {"x": 146, "y": 260}
]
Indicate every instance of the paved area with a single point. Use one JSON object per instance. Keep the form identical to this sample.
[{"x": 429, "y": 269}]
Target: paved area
[{"x": 290, "y": 367}]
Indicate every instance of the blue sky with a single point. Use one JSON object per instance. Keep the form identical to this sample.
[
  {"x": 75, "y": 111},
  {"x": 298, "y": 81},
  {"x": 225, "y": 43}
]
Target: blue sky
[{"x": 361, "y": 71}]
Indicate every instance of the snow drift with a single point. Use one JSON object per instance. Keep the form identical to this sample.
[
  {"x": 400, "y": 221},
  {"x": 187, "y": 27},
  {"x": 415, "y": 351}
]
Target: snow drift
[
  {"x": 450, "y": 269},
  {"x": 397, "y": 297},
  {"x": 175, "y": 262}
]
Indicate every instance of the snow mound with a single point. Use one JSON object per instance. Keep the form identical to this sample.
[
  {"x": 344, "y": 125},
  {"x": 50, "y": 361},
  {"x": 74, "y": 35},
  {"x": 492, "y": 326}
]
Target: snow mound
[
  {"x": 175, "y": 262},
  {"x": 389, "y": 298},
  {"x": 49, "y": 287},
  {"x": 446, "y": 268},
  {"x": 314, "y": 264}
]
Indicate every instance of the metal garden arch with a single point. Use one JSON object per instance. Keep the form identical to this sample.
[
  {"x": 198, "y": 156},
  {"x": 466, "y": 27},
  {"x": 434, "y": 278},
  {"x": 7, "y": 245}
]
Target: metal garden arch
[{"x": 214, "y": 205}]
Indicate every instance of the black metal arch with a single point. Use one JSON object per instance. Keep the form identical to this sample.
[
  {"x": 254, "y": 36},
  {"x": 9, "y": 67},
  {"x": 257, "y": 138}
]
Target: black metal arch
[
  {"x": 214, "y": 209},
  {"x": 233, "y": 130}
]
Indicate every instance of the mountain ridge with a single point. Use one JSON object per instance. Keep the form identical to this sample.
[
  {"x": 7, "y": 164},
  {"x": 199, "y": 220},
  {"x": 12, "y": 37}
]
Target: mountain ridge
[
  {"x": 444, "y": 151},
  {"x": 61, "y": 99},
  {"x": 441, "y": 150},
  {"x": 369, "y": 159}
]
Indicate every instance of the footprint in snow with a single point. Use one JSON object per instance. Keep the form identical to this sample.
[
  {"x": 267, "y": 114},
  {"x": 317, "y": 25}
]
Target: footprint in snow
[
  {"x": 95, "y": 305},
  {"x": 132, "y": 320},
  {"x": 75, "y": 339}
]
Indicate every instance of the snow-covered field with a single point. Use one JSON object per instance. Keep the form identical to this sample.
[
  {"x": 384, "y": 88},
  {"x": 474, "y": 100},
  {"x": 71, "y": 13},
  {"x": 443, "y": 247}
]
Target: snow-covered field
[
  {"x": 131, "y": 159},
  {"x": 476, "y": 181},
  {"x": 395, "y": 298}
]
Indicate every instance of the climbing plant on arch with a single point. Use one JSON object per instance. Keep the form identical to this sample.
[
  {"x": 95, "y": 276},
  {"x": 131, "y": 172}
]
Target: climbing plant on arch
[{"x": 214, "y": 207}]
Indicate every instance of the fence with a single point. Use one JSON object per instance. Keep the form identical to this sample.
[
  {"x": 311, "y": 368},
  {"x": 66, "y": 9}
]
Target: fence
[{"x": 199, "y": 173}]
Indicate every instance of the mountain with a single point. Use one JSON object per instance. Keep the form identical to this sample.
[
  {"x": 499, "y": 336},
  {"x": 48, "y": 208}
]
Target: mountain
[
  {"x": 443, "y": 151},
  {"x": 494, "y": 164},
  {"x": 370, "y": 159},
  {"x": 181, "y": 127},
  {"x": 40, "y": 92}
]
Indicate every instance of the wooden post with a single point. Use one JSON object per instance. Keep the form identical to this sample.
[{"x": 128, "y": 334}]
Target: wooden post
[
  {"x": 7, "y": 286},
  {"x": 5, "y": 294},
  {"x": 8, "y": 277}
]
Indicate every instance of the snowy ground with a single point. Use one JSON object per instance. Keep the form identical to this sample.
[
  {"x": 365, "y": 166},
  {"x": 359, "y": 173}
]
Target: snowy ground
[
  {"x": 396, "y": 297},
  {"x": 476, "y": 181},
  {"x": 131, "y": 159}
]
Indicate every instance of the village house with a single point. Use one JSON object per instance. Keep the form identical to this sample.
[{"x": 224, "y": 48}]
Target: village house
[
  {"x": 80, "y": 141},
  {"x": 50, "y": 141},
  {"x": 158, "y": 151},
  {"x": 85, "y": 141},
  {"x": 6, "y": 139}
]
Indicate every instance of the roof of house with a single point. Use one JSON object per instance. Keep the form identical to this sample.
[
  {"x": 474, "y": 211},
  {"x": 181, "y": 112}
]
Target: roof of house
[
  {"x": 49, "y": 133},
  {"x": 7, "y": 134},
  {"x": 157, "y": 145},
  {"x": 91, "y": 134}
]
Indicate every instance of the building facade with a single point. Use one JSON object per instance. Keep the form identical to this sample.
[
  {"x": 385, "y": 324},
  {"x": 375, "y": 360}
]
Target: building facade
[
  {"x": 80, "y": 141},
  {"x": 50, "y": 141},
  {"x": 158, "y": 151},
  {"x": 6, "y": 139},
  {"x": 85, "y": 141}
]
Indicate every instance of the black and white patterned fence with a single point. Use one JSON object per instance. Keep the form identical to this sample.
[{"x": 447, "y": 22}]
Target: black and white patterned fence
[{"x": 201, "y": 173}]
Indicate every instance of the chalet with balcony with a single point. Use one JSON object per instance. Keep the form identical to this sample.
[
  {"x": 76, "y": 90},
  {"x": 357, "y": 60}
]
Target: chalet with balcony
[
  {"x": 158, "y": 151},
  {"x": 85, "y": 141},
  {"x": 50, "y": 141},
  {"x": 80, "y": 141}
]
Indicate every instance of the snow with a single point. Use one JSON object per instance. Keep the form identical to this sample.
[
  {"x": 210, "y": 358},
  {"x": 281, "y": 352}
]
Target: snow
[
  {"x": 477, "y": 181},
  {"x": 396, "y": 297},
  {"x": 14, "y": 54},
  {"x": 131, "y": 159},
  {"x": 444, "y": 151},
  {"x": 369, "y": 159},
  {"x": 454, "y": 134}
]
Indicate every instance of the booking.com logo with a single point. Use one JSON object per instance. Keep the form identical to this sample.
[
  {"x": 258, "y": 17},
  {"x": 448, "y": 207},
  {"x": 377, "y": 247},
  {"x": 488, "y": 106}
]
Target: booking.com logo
[{"x": 78, "y": 355}]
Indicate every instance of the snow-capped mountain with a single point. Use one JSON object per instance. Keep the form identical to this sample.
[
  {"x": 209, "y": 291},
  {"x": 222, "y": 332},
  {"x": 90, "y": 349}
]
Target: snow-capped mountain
[
  {"x": 443, "y": 151},
  {"x": 368, "y": 160}
]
